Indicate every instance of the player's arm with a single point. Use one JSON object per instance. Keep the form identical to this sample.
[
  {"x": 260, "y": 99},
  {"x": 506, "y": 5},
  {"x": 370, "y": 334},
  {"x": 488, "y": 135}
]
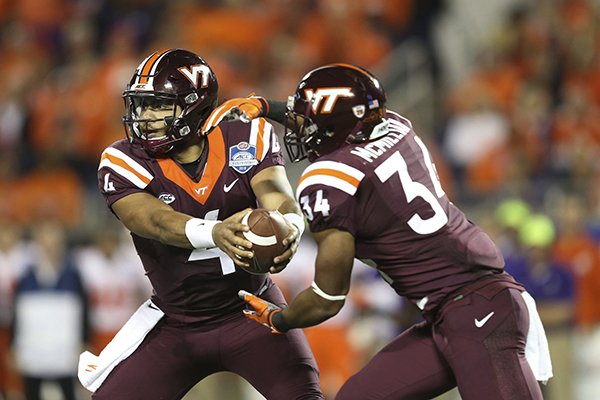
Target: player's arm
[
  {"x": 276, "y": 111},
  {"x": 246, "y": 109},
  {"x": 333, "y": 271},
  {"x": 326, "y": 296},
  {"x": 274, "y": 192},
  {"x": 149, "y": 217}
]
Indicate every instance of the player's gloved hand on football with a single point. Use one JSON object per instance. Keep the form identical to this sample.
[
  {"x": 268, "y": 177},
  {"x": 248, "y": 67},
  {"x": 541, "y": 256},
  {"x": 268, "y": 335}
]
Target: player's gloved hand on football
[
  {"x": 263, "y": 311},
  {"x": 243, "y": 108},
  {"x": 235, "y": 246}
]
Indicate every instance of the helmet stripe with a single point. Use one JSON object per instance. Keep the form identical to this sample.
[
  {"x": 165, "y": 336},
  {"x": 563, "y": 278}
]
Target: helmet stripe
[
  {"x": 354, "y": 67},
  {"x": 150, "y": 65}
]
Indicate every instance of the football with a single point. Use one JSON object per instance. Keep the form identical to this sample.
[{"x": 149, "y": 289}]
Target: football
[{"x": 267, "y": 230}]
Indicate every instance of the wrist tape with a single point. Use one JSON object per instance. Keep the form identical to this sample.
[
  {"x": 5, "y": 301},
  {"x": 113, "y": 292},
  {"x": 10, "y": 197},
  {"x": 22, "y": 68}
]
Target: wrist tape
[
  {"x": 199, "y": 232},
  {"x": 296, "y": 220}
]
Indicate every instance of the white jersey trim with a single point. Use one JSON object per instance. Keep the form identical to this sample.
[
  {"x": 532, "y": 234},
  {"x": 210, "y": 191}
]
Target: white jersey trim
[
  {"x": 335, "y": 165},
  {"x": 330, "y": 179},
  {"x": 255, "y": 135},
  {"x": 123, "y": 171},
  {"x": 327, "y": 181}
]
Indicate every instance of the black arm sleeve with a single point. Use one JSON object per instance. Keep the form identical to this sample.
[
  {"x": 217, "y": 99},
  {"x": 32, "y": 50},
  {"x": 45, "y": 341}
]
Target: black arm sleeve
[{"x": 276, "y": 111}]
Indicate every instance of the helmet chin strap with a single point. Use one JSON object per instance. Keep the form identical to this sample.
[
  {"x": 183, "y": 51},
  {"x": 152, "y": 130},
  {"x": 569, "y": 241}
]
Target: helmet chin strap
[{"x": 356, "y": 136}]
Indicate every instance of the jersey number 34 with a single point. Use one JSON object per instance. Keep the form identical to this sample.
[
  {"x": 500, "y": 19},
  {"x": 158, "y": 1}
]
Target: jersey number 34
[{"x": 395, "y": 165}]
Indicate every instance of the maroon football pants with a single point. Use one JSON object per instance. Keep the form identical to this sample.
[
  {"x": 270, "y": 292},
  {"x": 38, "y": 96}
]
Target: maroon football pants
[
  {"x": 478, "y": 344},
  {"x": 172, "y": 359}
]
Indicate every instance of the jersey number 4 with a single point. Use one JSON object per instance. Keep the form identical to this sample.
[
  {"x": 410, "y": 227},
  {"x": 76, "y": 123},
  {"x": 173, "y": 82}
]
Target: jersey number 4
[
  {"x": 395, "y": 164},
  {"x": 227, "y": 265}
]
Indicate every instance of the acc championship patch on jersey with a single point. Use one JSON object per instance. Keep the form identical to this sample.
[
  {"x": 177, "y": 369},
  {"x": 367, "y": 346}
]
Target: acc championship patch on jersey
[{"x": 242, "y": 157}]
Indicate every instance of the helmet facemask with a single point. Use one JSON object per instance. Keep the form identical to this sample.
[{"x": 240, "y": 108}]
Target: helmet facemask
[
  {"x": 298, "y": 129},
  {"x": 150, "y": 132}
]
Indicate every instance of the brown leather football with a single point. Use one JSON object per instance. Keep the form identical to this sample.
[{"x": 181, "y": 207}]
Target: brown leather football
[{"x": 267, "y": 230}]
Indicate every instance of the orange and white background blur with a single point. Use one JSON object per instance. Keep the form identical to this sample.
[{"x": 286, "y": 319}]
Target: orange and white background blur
[{"x": 506, "y": 94}]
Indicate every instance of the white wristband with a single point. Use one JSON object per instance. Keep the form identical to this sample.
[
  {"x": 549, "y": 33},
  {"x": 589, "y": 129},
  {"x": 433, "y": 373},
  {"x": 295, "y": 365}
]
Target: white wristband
[
  {"x": 199, "y": 232},
  {"x": 296, "y": 220}
]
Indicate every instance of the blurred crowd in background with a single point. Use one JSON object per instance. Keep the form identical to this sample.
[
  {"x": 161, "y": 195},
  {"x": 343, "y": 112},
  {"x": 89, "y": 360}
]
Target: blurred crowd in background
[{"x": 506, "y": 93}]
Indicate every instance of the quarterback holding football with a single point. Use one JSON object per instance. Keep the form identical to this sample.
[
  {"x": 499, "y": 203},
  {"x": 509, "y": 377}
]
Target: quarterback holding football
[{"x": 181, "y": 182}]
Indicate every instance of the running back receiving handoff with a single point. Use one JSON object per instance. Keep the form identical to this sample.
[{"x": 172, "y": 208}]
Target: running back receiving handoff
[{"x": 372, "y": 192}]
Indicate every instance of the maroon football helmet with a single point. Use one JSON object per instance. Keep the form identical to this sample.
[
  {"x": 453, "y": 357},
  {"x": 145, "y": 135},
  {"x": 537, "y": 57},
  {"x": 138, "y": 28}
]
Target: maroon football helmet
[
  {"x": 333, "y": 105},
  {"x": 172, "y": 78}
]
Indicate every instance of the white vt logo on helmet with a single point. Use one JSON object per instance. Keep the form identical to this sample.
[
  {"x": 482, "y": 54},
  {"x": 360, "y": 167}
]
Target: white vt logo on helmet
[
  {"x": 327, "y": 96},
  {"x": 192, "y": 73}
]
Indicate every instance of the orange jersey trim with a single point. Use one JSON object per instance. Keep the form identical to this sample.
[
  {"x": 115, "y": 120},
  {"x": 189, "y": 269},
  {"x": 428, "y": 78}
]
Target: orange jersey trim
[
  {"x": 260, "y": 142},
  {"x": 215, "y": 117},
  {"x": 215, "y": 163},
  {"x": 331, "y": 172},
  {"x": 121, "y": 163}
]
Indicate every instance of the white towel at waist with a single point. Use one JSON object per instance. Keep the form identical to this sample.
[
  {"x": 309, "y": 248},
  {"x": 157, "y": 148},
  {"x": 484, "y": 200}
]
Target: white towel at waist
[
  {"x": 93, "y": 369},
  {"x": 536, "y": 350}
]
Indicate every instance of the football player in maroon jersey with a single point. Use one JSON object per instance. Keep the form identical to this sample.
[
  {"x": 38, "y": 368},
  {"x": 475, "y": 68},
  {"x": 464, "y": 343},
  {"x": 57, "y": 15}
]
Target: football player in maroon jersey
[
  {"x": 181, "y": 183},
  {"x": 372, "y": 192}
]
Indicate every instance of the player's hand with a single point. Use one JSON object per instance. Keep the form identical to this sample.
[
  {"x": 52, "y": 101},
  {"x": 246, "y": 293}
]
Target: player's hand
[
  {"x": 291, "y": 243},
  {"x": 244, "y": 109},
  {"x": 235, "y": 246},
  {"x": 262, "y": 312}
]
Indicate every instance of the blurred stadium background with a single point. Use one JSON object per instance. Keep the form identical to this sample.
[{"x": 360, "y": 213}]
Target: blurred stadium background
[{"x": 505, "y": 92}]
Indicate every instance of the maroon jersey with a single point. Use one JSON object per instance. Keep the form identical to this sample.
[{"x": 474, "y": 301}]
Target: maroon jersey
[
  {"x": 195, "y": 285},
  {"x": 387, "y": 194}
]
